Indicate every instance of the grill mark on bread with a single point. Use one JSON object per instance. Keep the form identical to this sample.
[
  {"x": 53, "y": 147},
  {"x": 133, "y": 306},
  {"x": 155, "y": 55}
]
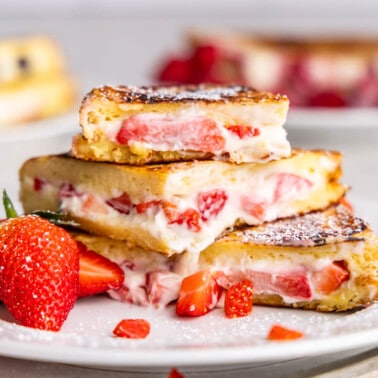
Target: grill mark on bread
[{"x": 204, "y": 93}]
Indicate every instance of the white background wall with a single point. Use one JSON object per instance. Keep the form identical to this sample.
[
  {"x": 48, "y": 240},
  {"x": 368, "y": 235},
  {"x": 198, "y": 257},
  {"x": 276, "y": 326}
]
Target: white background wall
[{"x": 121, "y": 41}]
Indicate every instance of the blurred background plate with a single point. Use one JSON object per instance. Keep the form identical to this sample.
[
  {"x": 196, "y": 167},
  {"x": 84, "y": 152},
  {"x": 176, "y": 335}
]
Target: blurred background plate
[
  {"x": 326, "y": 118},
  {"x": 49, "y": 127}
]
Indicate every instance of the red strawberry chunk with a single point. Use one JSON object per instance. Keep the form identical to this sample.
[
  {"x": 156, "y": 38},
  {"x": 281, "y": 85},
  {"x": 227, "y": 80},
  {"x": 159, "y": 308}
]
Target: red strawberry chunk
[
  {"x": 199, "y": 293},
  {"x": 243, "y": 132},
  {"x": 254, "y": 206},
  {"x": 238, "y": 299},
  {"x": 190, "y": 218},
  {"x": 196, "y": 133},
  {"x": 174, "y": 373},
  {"x": 121, "y": 203},
  {"x": 289, "y": 183},
  {"x": 97, "y": 273},
  {"x": 67, "y": 190},
  {"x": 162, "y": 287},
  {"x": 144, "y": 206},
  {"x": 330, "y": 278},
  {"x": 132, "y": 328},
  {"x": 211, "y": 203},
  {"x": 280, "y": 333},
  {"x": 39, "y": 184}
]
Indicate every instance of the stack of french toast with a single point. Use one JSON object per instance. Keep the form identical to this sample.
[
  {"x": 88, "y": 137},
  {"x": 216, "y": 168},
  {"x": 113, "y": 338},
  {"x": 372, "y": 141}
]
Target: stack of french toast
[{"x": 169, "y": 181}]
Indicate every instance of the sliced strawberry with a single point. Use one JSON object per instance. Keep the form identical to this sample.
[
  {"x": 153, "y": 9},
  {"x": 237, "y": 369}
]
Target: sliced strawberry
[
  {"x": 67, "y": 190},
  {"x": 199, "y": 293},
  {"x": 238, "y": 299},
  {"x": 132, "y": 328},
  {"x": 144, "y": 206},
  {"x": 39, "y": 184},
  {"x": 196, "y": 133},
  {"x": 254, "y": 206},
  {"x": 97, "y": 274},
  {"x": 174, "y": 373},
  {"x": 289, "y": 183},
  {"x": 211, "y": 203},
  {"x": 330, "y": 278},
  {"x": 170, "y": 210},
  {"x": 92, "y": 204},
  {"x": 162, "y": 287},
  {"x": 121, "y": 203},
  {"x": 293, "y": 284},
  {"x": 243, "y": 132},
  {"x": 190, "y": 218},
  {"x": 280, "y": 333}
]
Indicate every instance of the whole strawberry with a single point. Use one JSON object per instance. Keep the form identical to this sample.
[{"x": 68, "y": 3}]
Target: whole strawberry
[{"x": 39, "y": 271}]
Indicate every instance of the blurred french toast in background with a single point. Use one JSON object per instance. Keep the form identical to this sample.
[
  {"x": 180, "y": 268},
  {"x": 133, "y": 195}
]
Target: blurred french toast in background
[
  {"x": 313, "y": 72},
  {"x": 34, "y": 82}
]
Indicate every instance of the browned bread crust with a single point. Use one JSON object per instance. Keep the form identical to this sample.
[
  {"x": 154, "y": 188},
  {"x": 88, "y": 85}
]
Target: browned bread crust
[
  {"x": 183, "y": 94},
  {"x": 105, "y": 110}
]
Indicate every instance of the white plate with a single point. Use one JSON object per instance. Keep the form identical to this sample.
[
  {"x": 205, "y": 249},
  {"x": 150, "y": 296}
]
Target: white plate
[
  {"x": 63, "y": 124},
  {"x": 326, "y": 117},
  {"x": 212, "y": 340}
]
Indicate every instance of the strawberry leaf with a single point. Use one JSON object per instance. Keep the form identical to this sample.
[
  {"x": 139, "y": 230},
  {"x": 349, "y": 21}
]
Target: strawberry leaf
[{"x": 10, "y": 211}]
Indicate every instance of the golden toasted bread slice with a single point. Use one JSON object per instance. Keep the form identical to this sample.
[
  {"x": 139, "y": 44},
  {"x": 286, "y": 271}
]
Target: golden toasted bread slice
[
  {"x": 139, "y": 125},
  {"x": 180, "y": 206},
  {"x": 324, "y": 261}
]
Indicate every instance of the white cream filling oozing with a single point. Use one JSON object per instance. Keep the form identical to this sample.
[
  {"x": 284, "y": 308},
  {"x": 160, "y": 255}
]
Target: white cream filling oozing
[{"x": 181, "y": 237}]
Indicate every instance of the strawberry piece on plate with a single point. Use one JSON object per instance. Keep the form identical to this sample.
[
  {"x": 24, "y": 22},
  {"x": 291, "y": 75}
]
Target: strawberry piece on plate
[
  {"x": 238, "y": 299},
  {"x": 97, "y": 273},
  {"x": 280, "y": 333},
  {"x": 199, "y": 293},
  {"x": 174, "y": 373},
  {"x": 132, "y": 328}
]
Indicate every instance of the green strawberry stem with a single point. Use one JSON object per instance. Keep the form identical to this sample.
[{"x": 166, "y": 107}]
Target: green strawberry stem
[{"x": 10, "y": 211}]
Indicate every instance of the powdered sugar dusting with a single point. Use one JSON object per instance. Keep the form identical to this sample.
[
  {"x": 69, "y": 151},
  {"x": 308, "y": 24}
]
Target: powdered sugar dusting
[{"x": 336, "y": 224}]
